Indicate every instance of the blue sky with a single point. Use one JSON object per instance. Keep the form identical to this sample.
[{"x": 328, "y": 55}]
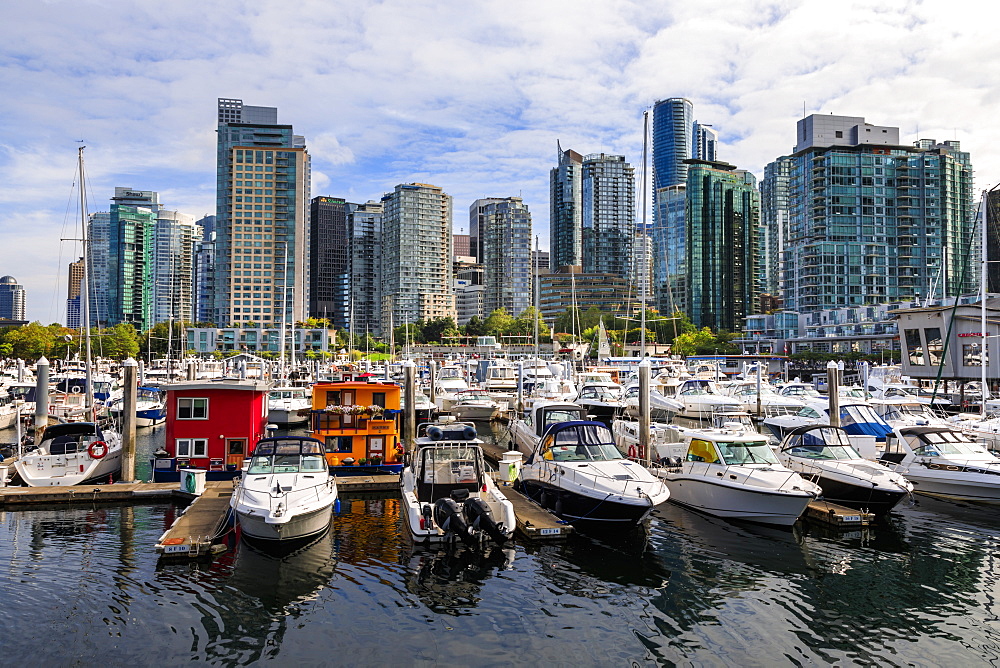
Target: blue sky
[{"x": 470, "y": 96}]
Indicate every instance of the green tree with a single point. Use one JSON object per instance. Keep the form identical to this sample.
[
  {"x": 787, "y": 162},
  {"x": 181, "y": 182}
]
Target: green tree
[
  {"x": 120, "y": 342},
  {"x": 434, "y": 330},
  {"x": 31, "y": 341},
  {"x": 499, "y": 323},
  {"x": 475, "y": 327}
]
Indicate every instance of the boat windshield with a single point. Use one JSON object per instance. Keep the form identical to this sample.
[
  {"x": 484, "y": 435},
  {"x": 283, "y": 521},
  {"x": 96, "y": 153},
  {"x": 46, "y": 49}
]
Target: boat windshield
[
  {"x": 597, "y": 393},
  {"x": 581, "y": 443},
  {"x": 699, "y": 388},
  {"x": 824, "y": 452},
  {"x": 747, "y": 452},
  {"x": 561, "y": 415},
  {"x": 800, "y": 391},
  {"x": 287, "y": 456},
  {"x": 474, "y": 396},
  {"x": 938, "y": 443}
]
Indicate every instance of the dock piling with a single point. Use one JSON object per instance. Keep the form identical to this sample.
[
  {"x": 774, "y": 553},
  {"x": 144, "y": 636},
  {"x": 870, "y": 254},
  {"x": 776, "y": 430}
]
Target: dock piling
[
  {"x": 130, "y": 371},
  {"x": 41, "y": 399}
]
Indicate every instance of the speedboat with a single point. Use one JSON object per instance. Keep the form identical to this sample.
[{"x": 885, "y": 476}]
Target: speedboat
[
  {"x": 944, "y": 462},
  {"x": 448, "y": 382},
  {"x": 661, "y": 408},
  {"x": 577, "y": 473},
  {"x": 701, "y": 398},
  {"x": 288, "y": 405},
  {"x": 846, "y": 478},
  {"x": 448, "y": 493},
  {"x": 527, "y": 430},
  {"x": 149, "y": 407},
  {"x": 862, "y": 424},
  {"x": 475, "y": 405},
  {"x": 286, "y": 492},
  {"x": 73, "y": 453},
  {"x": 600, "y": 403},
  {"x": 734, "y": 474}
]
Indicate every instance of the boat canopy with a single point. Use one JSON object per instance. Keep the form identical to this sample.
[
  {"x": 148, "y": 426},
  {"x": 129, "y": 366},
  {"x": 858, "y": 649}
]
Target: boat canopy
[
  {"x": 862, "y": 420},
  {"x": 72, "y": 429},
  {"x": 579, "y": 440},
  {"x": 288, "y": 454},
  {"x": 819, "y": 442}
]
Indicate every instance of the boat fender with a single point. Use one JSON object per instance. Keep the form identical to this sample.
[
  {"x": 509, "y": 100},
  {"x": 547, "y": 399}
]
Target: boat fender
[
  {"x": 435, "y": 433},
  {"x": 448, "y": 515},
  {"x": 479, "y": 516},
  {"x": 469, "y": 432},
  {"x": 97, "y": 450},
  {"x": 631, "y": 451}
]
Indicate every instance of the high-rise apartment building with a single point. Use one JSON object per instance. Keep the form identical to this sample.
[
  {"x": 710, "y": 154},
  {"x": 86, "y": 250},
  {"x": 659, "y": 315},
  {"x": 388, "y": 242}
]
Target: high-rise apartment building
[
  {"x": 131, "y": 257},
  {"x": 503, "y": 227},
  {"x": 723, "y": 213},
  {"x": 592, "y": 219},
  {"x": 12, "y": 299},
  {"x": 366, "y": 268},
  {"x": 706, "y": 140},
  {"x": 872, "y": 221},
  {"x": 330, "y": 260},
  {"x": 204, "y": 278},
  {"x": 993, "y": 241},
  {"x": 175, "y": 237},
  {"x": 774, "y": 212},
  {"x": 672, "y": 141},
  {"x": 416, "y": 255},
  {"x": 99, "y": 242},
  {"x": 75, "y": 283},
  {"x": 262, "y": 199}
]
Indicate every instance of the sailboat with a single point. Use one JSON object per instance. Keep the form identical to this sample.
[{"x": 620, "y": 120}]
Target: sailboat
[{"x": 78, "y": 452}]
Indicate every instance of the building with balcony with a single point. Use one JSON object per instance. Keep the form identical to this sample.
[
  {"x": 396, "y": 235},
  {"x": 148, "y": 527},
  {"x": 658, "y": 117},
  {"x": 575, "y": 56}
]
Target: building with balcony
[{"x": 208, "y": 340}]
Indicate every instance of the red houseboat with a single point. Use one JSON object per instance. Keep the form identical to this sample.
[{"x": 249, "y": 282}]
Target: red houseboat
[{"x": 211, "y": 425}]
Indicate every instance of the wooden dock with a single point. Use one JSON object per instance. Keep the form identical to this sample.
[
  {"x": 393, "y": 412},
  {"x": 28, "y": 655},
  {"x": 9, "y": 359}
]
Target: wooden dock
[
  {"x": 117, "y": 492},
  {"x": 533, "y": 521},
  {"x": 838, "y": 517},
  {"x": 196, "y": 530}
]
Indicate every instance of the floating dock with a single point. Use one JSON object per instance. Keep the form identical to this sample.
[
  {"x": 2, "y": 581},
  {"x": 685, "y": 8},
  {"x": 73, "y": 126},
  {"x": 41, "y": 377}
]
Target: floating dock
[
  {"x": 116, "y": 492},
  {"x": 205, "y": 520},
  {"x": 533, "y": 521},
  {"x": 838, "y": 517}
]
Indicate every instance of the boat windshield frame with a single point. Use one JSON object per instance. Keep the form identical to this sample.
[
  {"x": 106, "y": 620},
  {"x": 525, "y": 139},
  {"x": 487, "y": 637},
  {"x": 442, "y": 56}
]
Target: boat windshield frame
[{"x": 287, "y": 455}]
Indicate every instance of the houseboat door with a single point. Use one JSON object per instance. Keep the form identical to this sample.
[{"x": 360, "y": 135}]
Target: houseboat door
[
  {"x": 235, "y": 452},
  {"x": 376, "y": 446}
]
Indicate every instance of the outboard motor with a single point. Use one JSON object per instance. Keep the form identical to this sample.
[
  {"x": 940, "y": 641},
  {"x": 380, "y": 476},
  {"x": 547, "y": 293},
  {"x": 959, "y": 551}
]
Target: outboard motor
[
  {"x": 448, "y": 516},
  {"x": 480, "y": 517}
]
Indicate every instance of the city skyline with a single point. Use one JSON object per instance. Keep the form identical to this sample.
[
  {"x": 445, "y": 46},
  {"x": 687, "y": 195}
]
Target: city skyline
[{"x": 388, "y": 95}]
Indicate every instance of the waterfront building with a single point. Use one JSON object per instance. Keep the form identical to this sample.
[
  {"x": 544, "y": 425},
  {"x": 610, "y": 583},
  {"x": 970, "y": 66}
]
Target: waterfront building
[
  {"x": 503, "y": 232},
  {"x": 417, "y": 278},
  {"x": 75, "y": 283},
  {"x": 305, "y": 342},
  {"x": 366, "y": 267},
  {"x": 263, "y": 170},
  {"x": 672, "y": 141},
  {"x": 12, "y": 299},
  {"x": 131, "y": 257},
  {"x": 569, "y": 286},
  {"x": 871, "y": 220},
  {"x": 669, "y": 239},
  {"x": 565, "y": 210},
  {"x": 706, "y": 141},
  {"x": 330, "y": 260},
  {"x": 173, "y": 267},
  {"x": 774, "y": 211},
  {"x": 99, "y": 241},
  {"x": 723, "y": 213},
  {"x": 204, "y": 277},
  {"x": 469, "y": 300}
]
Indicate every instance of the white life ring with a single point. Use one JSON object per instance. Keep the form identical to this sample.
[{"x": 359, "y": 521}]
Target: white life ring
[{"x": 76, "y": 389}]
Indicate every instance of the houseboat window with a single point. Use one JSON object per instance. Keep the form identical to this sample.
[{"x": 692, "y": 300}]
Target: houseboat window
[
  {"x": 378, "y": 399},
  {"x": 339, "y": 443},
  {"x": 192, "y": 447},
  {"x": 192, "y": 409},
  {"x": 333, "y": 398}
]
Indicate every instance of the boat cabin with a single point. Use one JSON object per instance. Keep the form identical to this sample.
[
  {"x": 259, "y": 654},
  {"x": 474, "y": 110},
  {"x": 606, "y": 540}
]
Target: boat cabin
[
  {"x": 358, "y": 424},
  {"x": 578, "y": 441},
  {"x": 289, "y": 454},
  {"x": 540, "y": 417},
  {"x": 448, "y": 457},
  {"x": 211, "y": 425}
]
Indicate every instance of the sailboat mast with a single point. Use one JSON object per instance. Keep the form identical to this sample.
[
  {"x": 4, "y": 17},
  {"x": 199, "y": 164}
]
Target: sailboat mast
[
  {"x": 983, "y": 277},
  {"x": 643, "y": 278},
  {"x": 534, "y": 263},
  {"x": 85, "y": 284}
]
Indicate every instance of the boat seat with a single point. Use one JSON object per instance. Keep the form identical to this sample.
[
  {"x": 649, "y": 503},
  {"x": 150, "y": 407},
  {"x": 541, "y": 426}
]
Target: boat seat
[{"x": 430, "y": 492}]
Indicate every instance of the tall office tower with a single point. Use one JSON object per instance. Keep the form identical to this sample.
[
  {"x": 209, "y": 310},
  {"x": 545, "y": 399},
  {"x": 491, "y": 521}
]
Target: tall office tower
[
  {"x": 706, "y": 139},
  {"x": 993, "y": 241},
  {"x": 330, "y": 260},
  {"x": 504, "y": 233},
  {"x": 723, "y": 213},
  {"x": 173, "y": 297},
  {"x": 565, "y": 210},
  {"x": 366, "y": 268},
  {"x": 99, "y": 241},
  {"x": 73, "y": 294},
  {"x": 416, "y": 255},
  {"x": 462, "y": 246},
  {"x": 207, "y": 225},
  {"x": 261, "y": 218},
  {"x": 204, "y": 278},
  {"x": 539, "y": 261},
  {"x": 774, "y": 212},
  {"x": 131, "y": 251},
  {"x": 672, "y": 141},
  {"x": 608, "y": 214},
  {"x": 669, "y": 241},
  {"x": 872, "y": 221},
  {"x": 11, "y": 299}
]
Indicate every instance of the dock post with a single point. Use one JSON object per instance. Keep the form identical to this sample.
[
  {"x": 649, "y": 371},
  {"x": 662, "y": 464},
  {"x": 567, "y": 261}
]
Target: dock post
[
  {"x": 130, "y": 383},
  {"x": 410, "y": 414},
  {"x": 833, "y": 387},
  {"x": 142, "y": 372},
  {"x": 645, "y": 447},
  {"x": 20, "y": 370},
  {"x": 41, "y": 398},
  {"x": 432, "y": 388},
  {"x": 191, "y": 374}
]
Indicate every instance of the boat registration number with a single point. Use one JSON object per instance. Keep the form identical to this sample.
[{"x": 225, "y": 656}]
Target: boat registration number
[
  {"x": 852, "y": 518},
  {"x": 549, "y": 532},
  {"x": 174, "y": 549}
]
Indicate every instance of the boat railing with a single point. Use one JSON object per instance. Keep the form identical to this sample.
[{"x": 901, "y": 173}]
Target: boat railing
[
  {"x": 814, "y": 471},
  {"x": 730, "y": 471},
  {"x": 310, "y": 493}
]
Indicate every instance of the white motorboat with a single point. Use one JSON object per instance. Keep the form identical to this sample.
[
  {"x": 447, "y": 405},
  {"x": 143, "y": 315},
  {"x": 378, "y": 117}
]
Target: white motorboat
[
  {"x": 149, "y": 407},
  {"x": 475, "y": 405},
  {"x": 600, "y": 403},
  {"x": 525, "y": 431},
  {"x": 72, "y": 453},
  {"x": 701, "y": 398},
  {"x": 661, "y": 408},
  {"x": 286, "y": 493},
  {"x": 944, "y": 462},
  {"x": 288, "y": 405},
  {"x": 771, "y": 403},
  {"x": 863, "y": 425},
  {"x": 733, "y": 473},
  {"x": 577, "y": 473},
  {"x": 448, "y": 492},
  {"x": 501, "y": 379},
  {"x": 448, "y": 382},
  {"x": 825, "y": 454}
]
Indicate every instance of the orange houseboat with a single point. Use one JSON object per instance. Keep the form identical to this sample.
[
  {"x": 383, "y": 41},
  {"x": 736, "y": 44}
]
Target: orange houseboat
[
  {"x": 359, "y": 423},
  {"x": 211, "y": 425}
]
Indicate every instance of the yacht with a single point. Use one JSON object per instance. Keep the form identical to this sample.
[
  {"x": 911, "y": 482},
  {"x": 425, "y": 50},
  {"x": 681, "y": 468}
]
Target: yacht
[
  {"x": 731, "y": 472},
  {"x": 661, "y": 408},
  {"x": 863, "y": 425},
  {"x": 826, "y": 453},
  {"x": 944, "y": 462},
  {"x": 448, "y": 492},
  {"x": 600, "y": 403},
  {"x": 448, "y": 382},
  {"x": 289, "y": 405},
  {"x": 286, "y": 493},
  {"x": 475, "y": 405},
  {"x": 73, "y": 453},
  {"x": 527, "y": 430},
  {"x": 576, "y": 472},
  {"x": 501, "y": 379},
  {"x": 701, "y": 398}
]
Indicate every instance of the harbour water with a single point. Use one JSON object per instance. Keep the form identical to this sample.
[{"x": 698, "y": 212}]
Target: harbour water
[{"x": 82, "y": 585}]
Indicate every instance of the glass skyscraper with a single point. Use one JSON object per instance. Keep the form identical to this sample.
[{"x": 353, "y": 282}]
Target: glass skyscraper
[
  {"x": 503, "y": 230},
  {"x": 672, "y": 141},
  {"x": 366, "y": 268},
  {"x": 131, "y": 257},
  {"x": 329, "y": 260},
  {"x": 261, "y": 218},
  {"x": 565, "y": 207}
]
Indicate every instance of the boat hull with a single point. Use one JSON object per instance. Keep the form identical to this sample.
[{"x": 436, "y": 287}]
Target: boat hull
[
  {"x": 54, "y": 473},
  {"x": 301, "y": 526},
  {"x": 866, "y": 498},
  {"x": 581, "y": 510},
  {"x": 740, "y": 503}
]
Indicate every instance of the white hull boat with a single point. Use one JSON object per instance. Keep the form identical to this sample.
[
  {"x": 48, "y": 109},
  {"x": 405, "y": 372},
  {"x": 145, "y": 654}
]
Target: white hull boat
[
  {"x": 72, "y": 454},
  {"x": 944, "y": 462}
]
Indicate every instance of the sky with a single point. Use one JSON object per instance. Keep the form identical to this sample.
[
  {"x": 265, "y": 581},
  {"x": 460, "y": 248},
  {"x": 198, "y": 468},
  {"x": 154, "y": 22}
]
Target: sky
[{"x": 471, "y": 96}]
